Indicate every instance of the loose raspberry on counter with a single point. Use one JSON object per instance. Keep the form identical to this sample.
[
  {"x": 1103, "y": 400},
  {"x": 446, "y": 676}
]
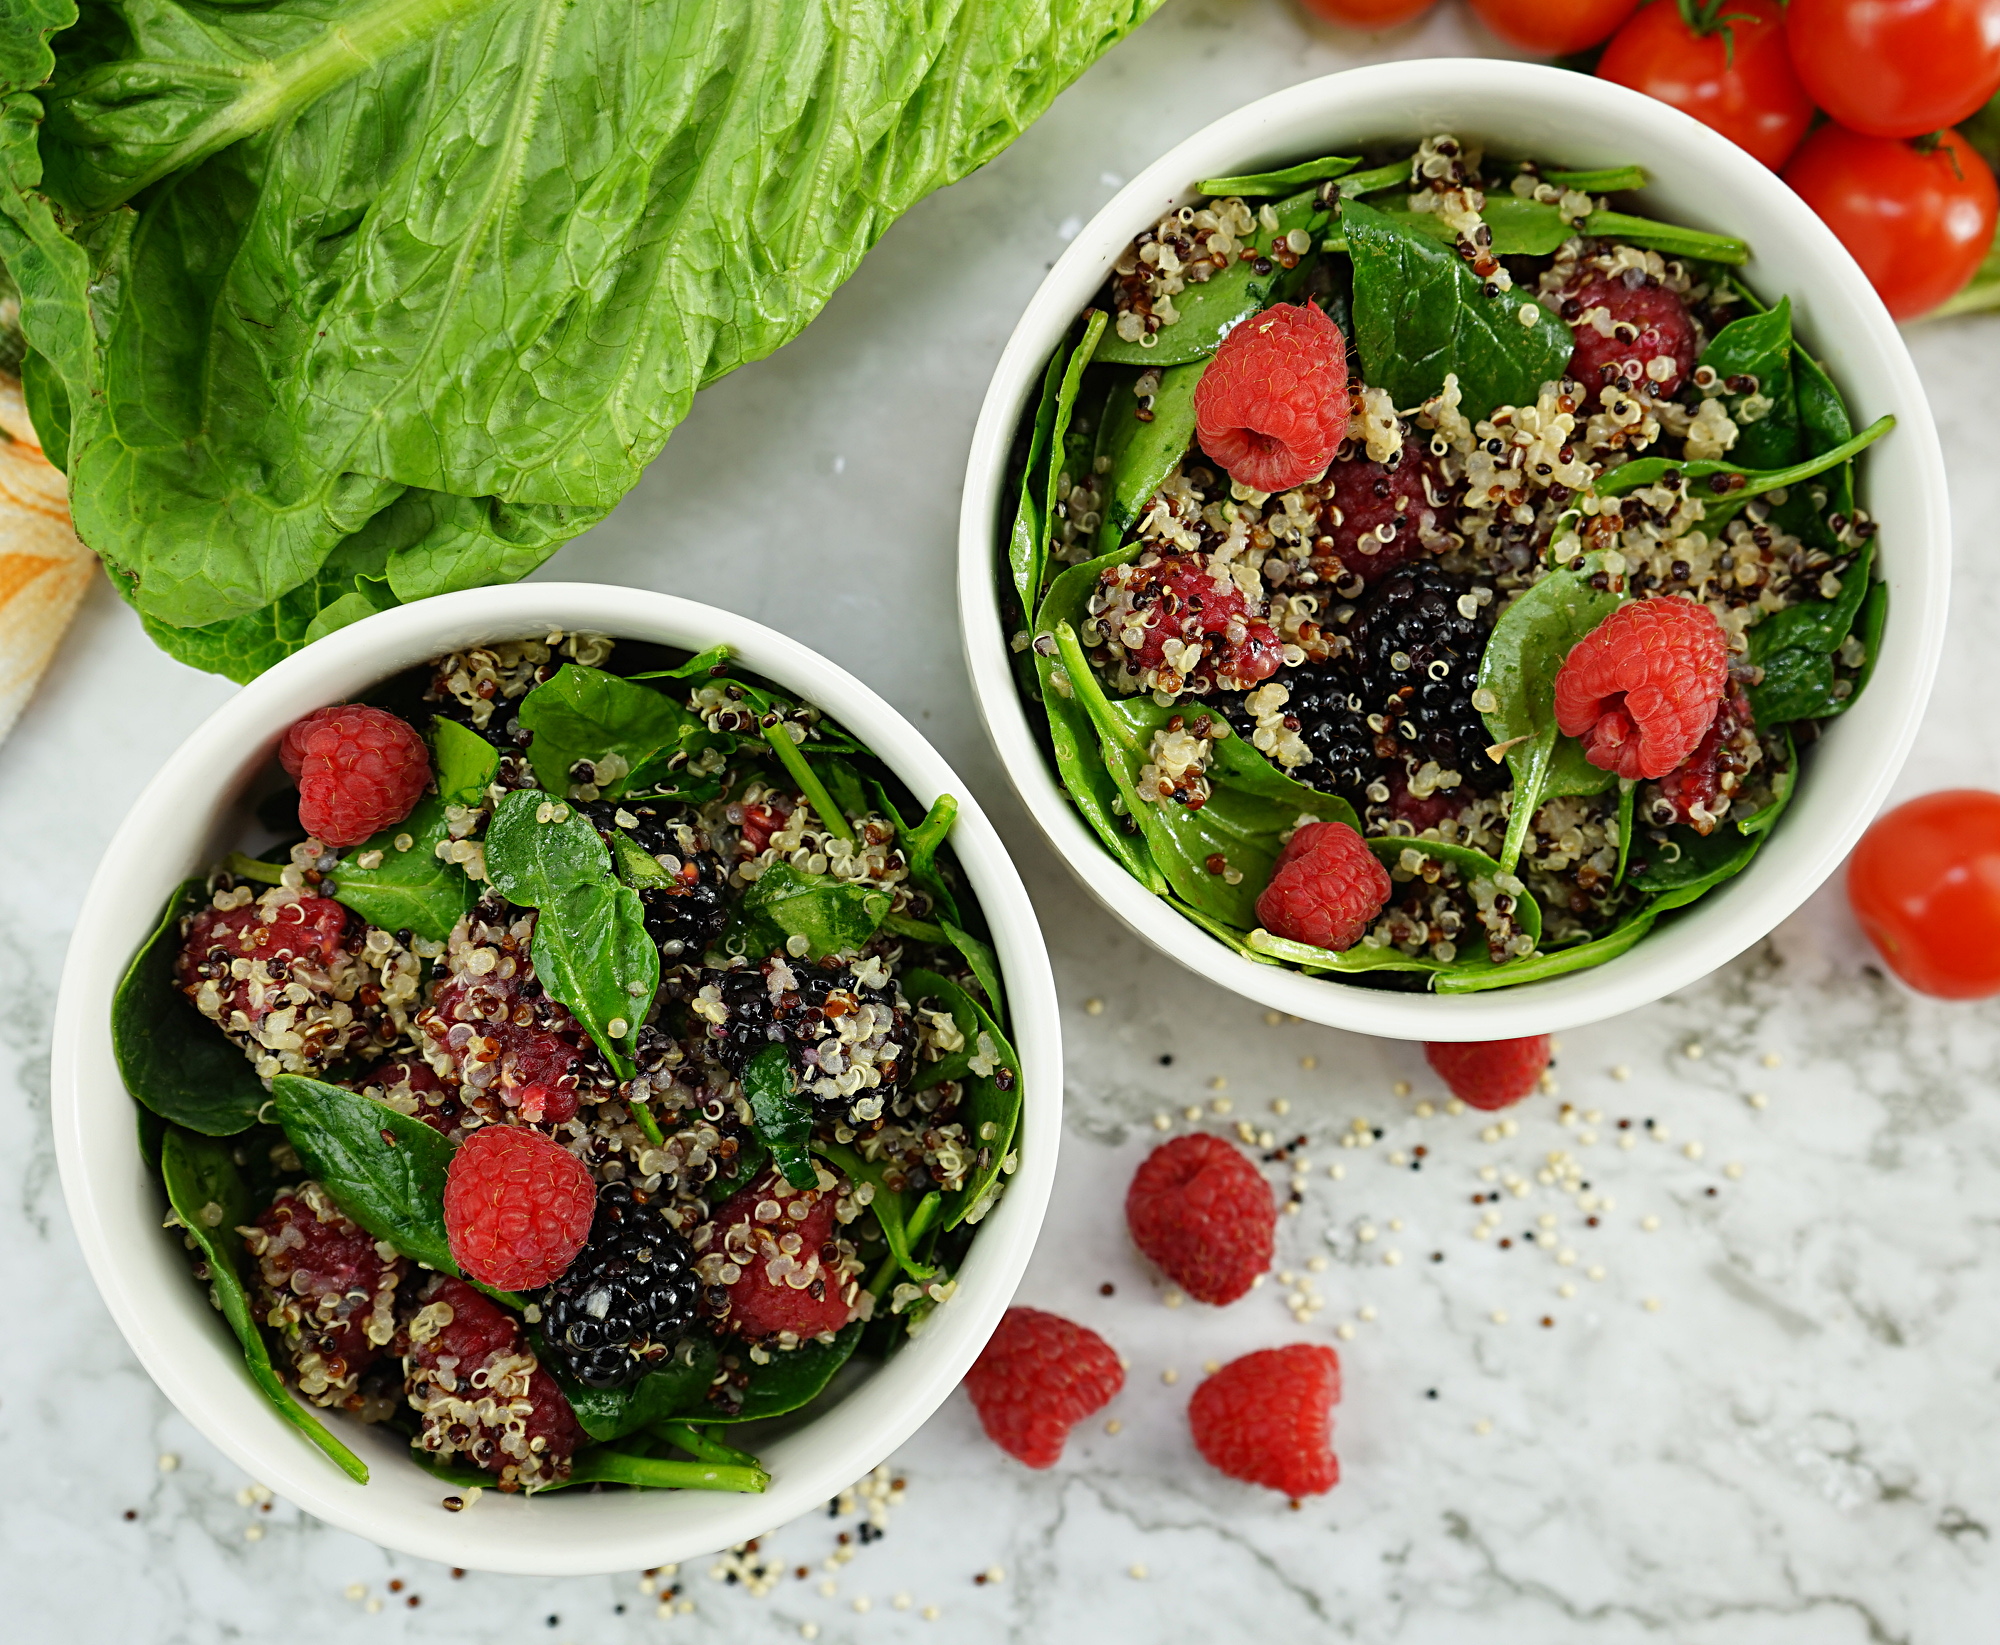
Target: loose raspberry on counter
[
  {"x": 1630, "y": 331},
  {"x": 359, "y": 770},
  {"x": 480, "y": 1393},
  {"x": 1642, "y": 687},
  {"x": 517, "y": 1207},
  {"x": 1180, "y": 622},
  {"x": 1326, "y": 889},
  {"x": 1490, "y": 1074},
  {"x": 328, "y": 1287},
  {"x": 1382, "y": 518},
  {"x": 1037, "y": 1378},
  {"x": 776, "y": 1254},
  {"x": 1205, "y": 1214},
  {"x": 1267, "y": 1419},
  {"x": 1699, "y": 790},
  {"x": 1272, "y": 406}
]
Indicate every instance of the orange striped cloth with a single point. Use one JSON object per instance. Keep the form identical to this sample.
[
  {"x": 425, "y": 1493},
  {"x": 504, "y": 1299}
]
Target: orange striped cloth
[{"x": 44, "y": 568}]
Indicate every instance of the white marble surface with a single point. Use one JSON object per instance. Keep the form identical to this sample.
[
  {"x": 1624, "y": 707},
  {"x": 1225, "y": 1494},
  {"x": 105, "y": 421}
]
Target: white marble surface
[{"x": 1800, "y": 1447}]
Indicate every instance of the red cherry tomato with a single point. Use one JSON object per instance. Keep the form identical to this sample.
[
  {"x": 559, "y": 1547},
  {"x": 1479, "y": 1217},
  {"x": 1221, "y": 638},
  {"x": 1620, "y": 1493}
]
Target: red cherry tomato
[
  {"x": 1896, "y": 68},
  {"x": 1729, "y": 69},
  {"x": 1553, "y": 27},
  {"x": 1368, "y": 14},
  {"x": 1925, "y": 885},
  {"x": 1918, "y": 223}
]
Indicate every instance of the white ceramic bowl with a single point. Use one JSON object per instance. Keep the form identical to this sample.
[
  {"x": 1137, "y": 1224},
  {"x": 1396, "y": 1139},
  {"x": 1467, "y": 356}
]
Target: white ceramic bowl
[
  {"x": 193, "y": 811},
  {"x": 1699, "y": 178}
]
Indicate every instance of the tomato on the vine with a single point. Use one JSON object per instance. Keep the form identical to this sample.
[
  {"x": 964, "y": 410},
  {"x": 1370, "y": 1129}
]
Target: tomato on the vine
[
  {"x": 1897, "y": 70},
  {"x": 1918, "y": 217},
  {"x": 1368, "y": 14},
  {"x": 1553, "y": 27},
  {"x": 1723, "y": 61},
  {"x": 1925, "y": 885}
]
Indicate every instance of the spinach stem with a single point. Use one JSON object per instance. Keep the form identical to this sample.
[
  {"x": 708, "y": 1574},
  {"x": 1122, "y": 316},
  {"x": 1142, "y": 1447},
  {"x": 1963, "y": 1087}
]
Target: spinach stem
[
  {"x": 703, "y": 1446},
  {"x": 249, "y": 868},
  {"x": 919, "y": 930},
  {"x": 1610, "y": 180},
  {"x": 808, "y": 780},
  {"x": 1357, "y": 183},
  {"x": 1648, "y": 470},
  {"x": 601, "y": 1466},
  {"x": 643, "y": 1114}
]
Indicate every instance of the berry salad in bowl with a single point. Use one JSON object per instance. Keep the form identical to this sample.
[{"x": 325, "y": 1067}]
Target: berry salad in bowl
[
  {"x": 1423, "y": 569},
  {"x": 586, "y": 1049}
]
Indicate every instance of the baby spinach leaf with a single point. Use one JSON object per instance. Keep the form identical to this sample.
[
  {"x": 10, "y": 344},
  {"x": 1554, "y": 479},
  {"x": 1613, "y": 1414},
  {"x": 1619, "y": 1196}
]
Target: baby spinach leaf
[
  {"x": 700, "y": 1444},
  {"x": 1797, "y": 685},
  {"x": 1059, "y": 457},
  {"x": 1541, "y": 967},
  {"x": 1815, "y": 625},
  {"x": 1531, "y": 228},
  {"x": 601, "y": 1465},
  {"x": 1674, "y": 239},
  {"x": 1760, "y": 346},
  {"x": 1794, "y": 648},
  {"x": 463, "y": 762},
  {"x": 1252, "y": 184},
  {"x": 782, "y": 1114},
  {"x": 172, "y": 1058},
  {"x": 834, "y": 916},
  {"x": 1605, "y": 180},
  {"x": 889, "y": 1204},
  {"x": 1226, "y": 935},
  {"x": 1209, "y": 312},
  {"x": 791, "y": 1379},
  {"x": 990, "y": 1108},
  {"x": 1783, "y": 781},
  {"x": 1523, "y": 654},
  {"x": 1361, "y": 957},
  {"x": 1684, "y": 865},
  {"x": 698, "y": 667},
  {"x": 1472, "y": 866},
  {"x": 590, "y": 948},
  {"x": 1025, "y": 538},
  {"x": 1711, "y": 480},
  {"x": 384, "y": 1169},
  {"x": 1628, "y": 793},
  {"x": 1420, "y": 314},
  {"x": 678, "y": 1385},
  {"x": 208, "y": 1196},
  {"x": 637, "y": 866},
  {"x": 1868, "y": 629},
  {"x": 410, "y": 888},
  {"x": 587, "y": 714},
  {"x": 980, "y": 960},
  {"x": 1143, "y": 451}
]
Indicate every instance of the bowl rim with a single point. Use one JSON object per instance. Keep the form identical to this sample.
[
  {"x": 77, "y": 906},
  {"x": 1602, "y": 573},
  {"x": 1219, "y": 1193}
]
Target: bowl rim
[
  {"x": 191, "y": 1356},
  {"x": 1855, "y": 334}
]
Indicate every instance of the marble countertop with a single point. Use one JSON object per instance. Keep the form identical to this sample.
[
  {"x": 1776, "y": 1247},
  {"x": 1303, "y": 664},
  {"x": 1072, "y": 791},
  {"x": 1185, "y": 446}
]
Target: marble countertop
[{"x": 1764, "y": 1412}]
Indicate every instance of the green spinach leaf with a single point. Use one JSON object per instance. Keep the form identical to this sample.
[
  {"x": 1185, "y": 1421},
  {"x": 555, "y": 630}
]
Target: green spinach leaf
[
  {"x": 1684, "y": 865},
  {"x": 1420, "y": 314},
  {"x": 782, "y": 1114},
  {"x": 990, "y": 1108},
  {"x": 1256, "y": 183},
  {"x": 1530, "y": 228},
  {"x": 791, "y": 1379},
  {"x": 590, "y": 948},
  {"x": 834, "y": 916},
  {"x": 1061, "y": 454},
  {"x": 1143, "y": 451},
  {"x": 172, "y": 1058},
  {"x": 1760, "y": 346},
  {"x": 679, "y": 1385},
  {"x": 1715, "y": 481},
  {"x": 1541, "y": 967},
  {"x": 409, "y": 888},
  {"x": 463, "y": 762},
  {"x": 585, "y": 714},
  {"x": 890, "y": 1206},
  {"x": 208, "y": 1196},
  {"x": 1026, "y": 536},
  {"x": 601, "y": 1465}
]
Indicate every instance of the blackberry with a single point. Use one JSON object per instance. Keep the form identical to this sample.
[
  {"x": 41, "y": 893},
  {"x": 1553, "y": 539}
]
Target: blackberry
[
  {"x": 1418, "y": 656},
  {"x": 1331, "y": 716},
  {"x": 802, "y": 1007},
  {"x": 629, "y": 1297},
  {"x": 687, "y": 917}
]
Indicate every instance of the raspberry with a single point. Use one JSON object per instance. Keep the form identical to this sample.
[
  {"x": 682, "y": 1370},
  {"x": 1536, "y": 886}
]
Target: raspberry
[
  {"x": 359, "y": 770},
  {"x": 1688, "y": 793},
  {"x": 1205, "y": 1214},
  {"x": 1645, "y": 322},
  {"x": 517, "y": 1207},
  {"x": 1267, "y": 1418},
  {"x": 804, "y": 1292},
  {"x": 1490, "y": 1074},
  {"x": 1641, "y": 687},
  {"x": 480, "y": 1393},
  {"x": 1411, "y": 502},
  {"x": 1272, "y": 406},
  {"x": 325, "y": 1285},
  {"x": 1224, "y": 643},
  {"x": 1038, "y": 1378},
  {"x": 627, "y": 1299},
  {"x": 1326, "y": 889}
]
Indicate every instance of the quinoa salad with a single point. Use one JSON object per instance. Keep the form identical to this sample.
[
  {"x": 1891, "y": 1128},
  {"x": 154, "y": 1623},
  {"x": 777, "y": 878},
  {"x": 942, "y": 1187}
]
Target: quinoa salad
[
  {"x": 1438, "y": 503},
  {"x": 593, "y": 1051}
]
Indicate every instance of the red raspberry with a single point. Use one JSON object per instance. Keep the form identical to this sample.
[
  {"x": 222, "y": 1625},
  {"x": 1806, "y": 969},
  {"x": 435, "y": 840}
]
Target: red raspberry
[
  {"x": 481, "y": 1394},
  {"x": 1038, "y": 1378},
  {"x": 408, "y": 1080},
  {"x": 1641, "y": 687},
  {"x": 1326, "y": 889},
  {"x": 1267, "y": 1419},
  {"x": 1646, "y": 322},
  {"x": 517, "y": 1207},
  {"x": 300, "y": 942},
  {"x": 326, "y": 1286},
  {"x": 1688, "y": 793},
  {"x": 806, "y": 1290},
  {"x": 1205, "y": 1214},
  {"x": 1490, "y": 1074},
  {"x": 1410, "y": 501},
  {"x": 1272, "y": 406},
  {"x": 360, "y": 770},
  {"x": 1186, "y": 598}
]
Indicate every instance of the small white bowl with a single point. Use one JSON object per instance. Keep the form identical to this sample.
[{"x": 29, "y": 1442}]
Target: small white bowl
[
  {"x": 1699, "y": 178},
  {"x": 194, "y": 810}
]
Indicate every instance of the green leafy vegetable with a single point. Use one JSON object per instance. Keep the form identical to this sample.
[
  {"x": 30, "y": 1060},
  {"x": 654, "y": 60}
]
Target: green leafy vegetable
[
  {"x": 1715, "y": 482},
  {"x": 1795, "y": 647},
  {"x": 1143, "y": 451},
  {"x": 790, "y": 1379},
  {"x": 601, "y": 1465},
  {"x": 1421, "y": 314},
  {"x": 1530, "y": 228},
  {"x": 782, "y": 1114},
  {"x": 1760, "y": 346},
  {"x": 1606, "y": 180},
  {"x": 1025, "y": 538},
  {"x": 1058, "y": 466},
  {"x": 678, "y": 1385},
  {"x": 410, "y": 888},
  {"x": 585, "y": 714},
  {"x": 1688, "y": 864},
  {"x": 990, "y": 1108},
  {"x": 889, "y": 1205},
  {"x": 1541, "y": 967},
  {"x": 590, "y": 948},
  {"x": 172, "y": 1058},
  {"x": 1253, "y": 184},
  {"x": 207, "y": 1193},
  {"x": 345, "y": 305},
  {"x": 834, "y": 916}
]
